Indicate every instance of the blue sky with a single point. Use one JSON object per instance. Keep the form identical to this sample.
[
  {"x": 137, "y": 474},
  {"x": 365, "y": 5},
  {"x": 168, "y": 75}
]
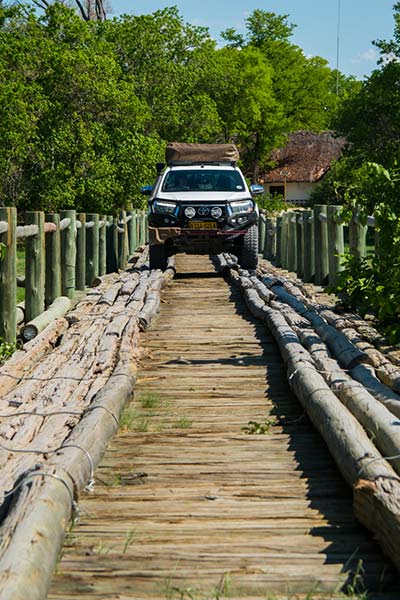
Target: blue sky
[{"x": 361, "y": 22}]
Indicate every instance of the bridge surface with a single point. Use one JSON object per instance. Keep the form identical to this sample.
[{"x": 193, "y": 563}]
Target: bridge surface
[{"x": 187, "y": 504}]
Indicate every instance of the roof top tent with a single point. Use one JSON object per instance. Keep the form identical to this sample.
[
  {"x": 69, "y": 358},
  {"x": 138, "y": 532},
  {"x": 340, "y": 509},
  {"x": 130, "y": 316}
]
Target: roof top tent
[{"x": 178, "y": 153}]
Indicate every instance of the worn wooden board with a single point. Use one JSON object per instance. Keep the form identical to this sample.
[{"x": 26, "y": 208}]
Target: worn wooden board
[{"x": 186, "y": 504}]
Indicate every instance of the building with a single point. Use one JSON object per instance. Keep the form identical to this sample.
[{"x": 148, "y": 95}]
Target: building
[{"x": 301, "y": 164}]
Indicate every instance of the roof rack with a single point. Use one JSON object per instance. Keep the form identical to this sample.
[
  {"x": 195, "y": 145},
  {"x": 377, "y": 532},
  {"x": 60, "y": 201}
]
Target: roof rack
[{"x": 181, "y": 163}]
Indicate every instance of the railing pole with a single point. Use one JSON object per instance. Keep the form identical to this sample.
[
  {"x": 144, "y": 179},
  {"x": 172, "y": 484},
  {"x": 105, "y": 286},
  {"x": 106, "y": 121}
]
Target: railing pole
[
  {"x": 284, "y": 241},
  {"x": 102, "y": 247},
  {"x": 112, "y": 245},
  {"x": 81, "y": 253},
  {"x": 68, "y": 254},
  {"x": 335, "y": 243},
  {"x": 53, "y": 260},
  {"x": 357, "y": 236},
  {"x": 278, "y": 256},
  {"x": 35, "y": 267},
  {"x": 131, "y": 232},
  {"x": 320, "y": 245},
  {"x": 92, "y": 249},
  {"x": 308, "y": 246},
  {"x": 270, "y": 239},
  {"x": 261, "y": 234},
  {"x": 8, "y": 276},
  {"x": 123, "y": 241},
  {"x": 143, "y": 236},
  {"x": 292, "y": 242},
  {"x": 300, "y": 246}
]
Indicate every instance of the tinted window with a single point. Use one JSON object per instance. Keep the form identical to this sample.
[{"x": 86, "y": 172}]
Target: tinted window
[{"x": 198, "y": 181}]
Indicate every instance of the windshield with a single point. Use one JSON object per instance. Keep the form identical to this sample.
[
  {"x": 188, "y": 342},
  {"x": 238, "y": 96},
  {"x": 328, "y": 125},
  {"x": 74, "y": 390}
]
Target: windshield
[{"x": 199, "y": 180}]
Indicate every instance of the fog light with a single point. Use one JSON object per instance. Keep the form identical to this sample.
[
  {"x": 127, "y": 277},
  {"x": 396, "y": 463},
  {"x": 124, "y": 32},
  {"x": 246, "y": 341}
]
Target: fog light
[
  {"x": 216, "y": 212},
  {"x": 190, "y": 212},
  {"x": 242, "y": 220}
]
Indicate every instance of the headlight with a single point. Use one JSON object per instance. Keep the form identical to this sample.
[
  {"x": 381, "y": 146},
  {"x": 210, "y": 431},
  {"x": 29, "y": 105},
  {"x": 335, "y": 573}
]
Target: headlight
[
  {"x": 163, "y": 207},
  {"x": 241, "y": 206},
  {"x": 216, "y": 212},
  {"x": 190, "y": 212}
]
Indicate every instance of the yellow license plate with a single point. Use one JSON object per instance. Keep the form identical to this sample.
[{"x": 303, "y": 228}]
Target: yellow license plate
[{"x": 202, "y": 225}]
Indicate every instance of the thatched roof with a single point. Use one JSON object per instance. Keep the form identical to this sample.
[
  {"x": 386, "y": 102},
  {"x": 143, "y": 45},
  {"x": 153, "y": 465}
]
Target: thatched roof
[{"x": 306, "y": 157}]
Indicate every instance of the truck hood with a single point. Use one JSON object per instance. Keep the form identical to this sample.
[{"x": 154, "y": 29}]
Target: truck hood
[{"x": 204, "y": 196}]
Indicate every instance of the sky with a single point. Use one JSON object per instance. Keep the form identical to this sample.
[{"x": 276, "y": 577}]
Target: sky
[{"x": 361, "y": 21}]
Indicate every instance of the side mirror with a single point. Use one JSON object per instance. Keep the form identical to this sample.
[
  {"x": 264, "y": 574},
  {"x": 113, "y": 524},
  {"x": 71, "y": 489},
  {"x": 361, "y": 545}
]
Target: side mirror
[
  {"x": 146, "y": 190},
  {"x": 256, "y": 189},
  {"x": 160, "y": 166}
]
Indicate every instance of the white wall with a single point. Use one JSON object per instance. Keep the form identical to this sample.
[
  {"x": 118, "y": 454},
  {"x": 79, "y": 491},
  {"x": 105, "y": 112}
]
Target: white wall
[{"x": 297, "y": 191}]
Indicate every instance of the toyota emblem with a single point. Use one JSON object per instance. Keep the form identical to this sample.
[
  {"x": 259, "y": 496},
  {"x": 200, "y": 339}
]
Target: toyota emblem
[{"x": 203, "y": 211}]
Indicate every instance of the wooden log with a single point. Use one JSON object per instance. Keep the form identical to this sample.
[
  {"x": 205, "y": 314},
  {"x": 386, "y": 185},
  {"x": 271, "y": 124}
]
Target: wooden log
[
  {"x": 131, "y": 215},
  {"x": 335, "y": 243},
  {"x": 346, "y": 353},
  {"x": 23, "y": 361},
  {"x": 8, "y": 276},
  {"x": 375, "y": 484},
  {"x": 57, "y": 309},
  {"x": 81, "y": 253},
  {"x": 92, "y": 249},
  {"x": 103, "y": 247},
  {"x": 308, "y": 246},
  {"x": 35, "y": 533},
  {"x": 111, "y": 294},
  {"x": 284, "y": 241},
  {"x": 68, "y": 254},
  {"x": 20, "y": 313},
  {"x": 35, "y": 267},
  {"x": 320, "y": 245},
  {"x": 53, "y": 260}
]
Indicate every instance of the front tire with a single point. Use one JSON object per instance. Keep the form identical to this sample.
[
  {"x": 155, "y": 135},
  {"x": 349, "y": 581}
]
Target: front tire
[
  {"x": 158, "y": 257},
  {"x": 248, "y": 253}
]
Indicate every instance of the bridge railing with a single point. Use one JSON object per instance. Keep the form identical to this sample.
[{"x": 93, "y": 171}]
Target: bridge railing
[
  {"x": 64, "y": 252},
  {"x": 311, "y": 242}
]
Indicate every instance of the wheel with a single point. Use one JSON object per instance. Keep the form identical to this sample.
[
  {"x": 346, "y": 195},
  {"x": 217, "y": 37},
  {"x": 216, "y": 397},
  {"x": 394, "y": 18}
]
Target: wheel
[
  {"x": 248, "y": 252},
  {"x": 158, "y": 257}
]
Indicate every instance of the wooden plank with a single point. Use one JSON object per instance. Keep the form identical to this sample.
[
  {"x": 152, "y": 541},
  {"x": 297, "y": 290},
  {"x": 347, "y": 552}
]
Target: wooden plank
[{"x": 185, "y": 498}]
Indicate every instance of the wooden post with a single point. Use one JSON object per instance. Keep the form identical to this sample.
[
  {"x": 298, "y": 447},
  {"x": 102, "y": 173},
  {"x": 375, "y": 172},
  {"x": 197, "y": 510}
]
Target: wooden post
[
  {"x": 270, "y": 239},
  {"x": 320, "y": 245},
  {"x": 278, "y": 257},
  {"x": 335, "y": 242},
  {"x": 112, "y": 245},
  {"x": 8, "y": 276},
  {"x": 81, "y": 253},
  {"x": 284, "y": 241},
  {"x": 102, "y": 247},
  {"x": 131, "y": 231},
  {"x": 261, "y": 234},
  {"x": 123, "y": 241},
  {"x": 292, "y": 242},
  {"x": 35, "y": 267},
  {"x": 92, "y": 248},
  {"x": 143, "y": 235},
  {"x": 300, "y": 248},
  {"x": 308, "y": 246},
  {"x": 53, "y": 260},
  {"x": 357, "y": 236},
  {"x": 146, "y": 227},
  {"x": 68, "y": 254}
]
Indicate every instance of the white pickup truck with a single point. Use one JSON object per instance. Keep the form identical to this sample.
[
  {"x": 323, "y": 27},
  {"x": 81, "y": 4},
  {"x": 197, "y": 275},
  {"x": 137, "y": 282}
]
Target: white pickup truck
[{"x": 201, "y": 204}]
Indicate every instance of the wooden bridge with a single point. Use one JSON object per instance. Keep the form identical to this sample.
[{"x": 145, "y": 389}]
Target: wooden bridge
[{"x": 217, "y": 485}]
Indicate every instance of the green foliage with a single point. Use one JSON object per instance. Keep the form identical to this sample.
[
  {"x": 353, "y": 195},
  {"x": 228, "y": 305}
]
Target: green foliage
[
  {"x": 6, "y": 350},
  {"x": 86, "y": 107},
  {"x": 255, "y": 428},
  {"x": 272, "y": 204}
]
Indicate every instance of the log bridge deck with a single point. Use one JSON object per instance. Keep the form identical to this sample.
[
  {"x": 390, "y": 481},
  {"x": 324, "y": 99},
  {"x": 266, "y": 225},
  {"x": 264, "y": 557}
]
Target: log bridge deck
[{"x": 189, "y": 505}]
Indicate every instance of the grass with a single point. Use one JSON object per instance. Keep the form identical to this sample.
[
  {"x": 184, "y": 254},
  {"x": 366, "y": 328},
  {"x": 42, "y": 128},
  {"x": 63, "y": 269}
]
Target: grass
[
  {"x": 183, "y": 423},
  {"x": 20, "y": 271},
  {"x": 127, "y": 418},
  {"x": 149, "y": 400}
]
